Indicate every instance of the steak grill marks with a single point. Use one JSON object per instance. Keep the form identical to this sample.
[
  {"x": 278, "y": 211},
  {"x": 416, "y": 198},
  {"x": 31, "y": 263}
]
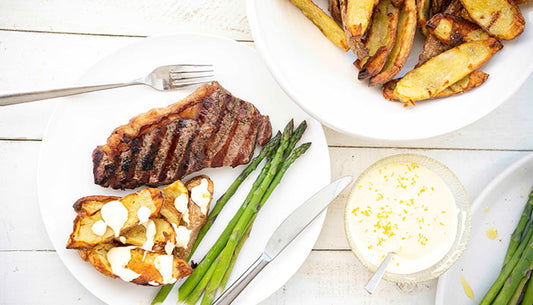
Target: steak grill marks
[{"x": 222, "y": 132}]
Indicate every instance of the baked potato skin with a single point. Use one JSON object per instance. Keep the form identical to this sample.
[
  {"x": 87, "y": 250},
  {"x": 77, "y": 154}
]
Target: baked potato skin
[
  {"x": 196, "y": 217},
  {"x": 454, "y": 30},
  {"x": 89, "y": 205},
  {"x": 83, "y": 237}
]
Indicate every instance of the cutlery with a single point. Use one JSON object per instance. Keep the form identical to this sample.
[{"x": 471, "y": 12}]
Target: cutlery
[
  {"x": 376, "y": 278},
  {"x": 286, "y": 232},
  {"x": 162, "y": 78}
]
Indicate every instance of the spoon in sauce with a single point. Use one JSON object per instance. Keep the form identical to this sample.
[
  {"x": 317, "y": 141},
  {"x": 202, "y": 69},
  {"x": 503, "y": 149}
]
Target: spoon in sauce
[{"x": 376, "y": 278}]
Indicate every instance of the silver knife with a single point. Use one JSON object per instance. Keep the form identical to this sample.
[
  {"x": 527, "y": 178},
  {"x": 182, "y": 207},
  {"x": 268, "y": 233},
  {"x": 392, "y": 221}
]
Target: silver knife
[{"x": 286, "y": 232}]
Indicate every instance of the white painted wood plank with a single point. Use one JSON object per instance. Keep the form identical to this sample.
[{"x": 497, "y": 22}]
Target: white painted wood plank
[
  {"x": 33, "y": 61},
  {"x": 119, "y": 17},
  {"x": 475, "y": 169},
  {"x": 21, "y": 226},
  {"x": 327, "y": 277},
  {"x": 39, "y": 278},
  {"x": 337, "y": 277},
  {"x": 510, "y": 126}
]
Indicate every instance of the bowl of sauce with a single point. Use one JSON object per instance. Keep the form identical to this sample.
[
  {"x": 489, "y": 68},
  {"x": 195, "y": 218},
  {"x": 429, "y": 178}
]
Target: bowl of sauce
[{"x": 411, "y": 205}]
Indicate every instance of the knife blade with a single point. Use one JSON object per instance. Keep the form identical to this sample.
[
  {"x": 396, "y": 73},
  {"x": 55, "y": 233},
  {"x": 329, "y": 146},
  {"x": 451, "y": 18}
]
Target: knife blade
[{"x": 286, "y": 232}]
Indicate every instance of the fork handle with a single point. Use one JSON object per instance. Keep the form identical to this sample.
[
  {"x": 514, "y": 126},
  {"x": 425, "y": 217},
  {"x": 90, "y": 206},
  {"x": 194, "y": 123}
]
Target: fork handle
[{"x": 18, "y": 98}]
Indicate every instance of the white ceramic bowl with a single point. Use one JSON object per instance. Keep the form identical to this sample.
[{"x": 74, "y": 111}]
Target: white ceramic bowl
[
  {"x": 321, "y": 79},
  {"x": 463, "y": 219}
]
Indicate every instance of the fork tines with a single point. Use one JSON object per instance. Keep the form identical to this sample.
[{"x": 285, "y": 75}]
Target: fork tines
[{"x": 188, "y": 74}]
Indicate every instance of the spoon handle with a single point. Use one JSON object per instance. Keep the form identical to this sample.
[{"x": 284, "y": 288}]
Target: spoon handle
[{"x": 376, "y": 278}]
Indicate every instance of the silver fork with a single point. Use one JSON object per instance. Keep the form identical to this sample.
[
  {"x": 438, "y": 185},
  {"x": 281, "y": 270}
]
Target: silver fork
[{"x": 162, "y": 78}]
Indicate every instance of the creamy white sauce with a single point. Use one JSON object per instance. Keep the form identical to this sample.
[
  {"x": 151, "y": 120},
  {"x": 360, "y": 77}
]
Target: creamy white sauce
[
  {"x": 118, "y": 258},
  {"x": 143, "y": 213},
  {"x": 201, "y": 196},
  {"x": 99, "y": 228},
  {"x": 153, "y": 283},
  {"x": 403, "y": 208},
  {"x": 181, "y": 203},
  {"x": 122, "y": 239},
  {"x": 164, "y": 264},
  {"x": 183, "y": 235},
  {"x": 169, "y": 247},
  {"x": 115, "y": 215},
  {"x": 150, "y": 233}
]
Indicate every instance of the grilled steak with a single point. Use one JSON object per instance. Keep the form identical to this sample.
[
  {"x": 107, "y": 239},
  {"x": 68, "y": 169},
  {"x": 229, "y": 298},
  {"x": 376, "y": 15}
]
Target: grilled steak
[{"x": 209, "y": 128}]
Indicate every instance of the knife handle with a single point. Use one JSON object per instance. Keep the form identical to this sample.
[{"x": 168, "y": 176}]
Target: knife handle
[{"x": 236, "y": 288}]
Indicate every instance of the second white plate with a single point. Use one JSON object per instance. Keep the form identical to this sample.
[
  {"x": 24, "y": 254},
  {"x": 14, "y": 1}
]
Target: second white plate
[
  {"x": 498, "y": 207},
  {"x": 320, "y": 77}
]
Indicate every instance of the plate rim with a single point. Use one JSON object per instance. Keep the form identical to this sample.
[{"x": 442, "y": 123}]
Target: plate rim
[
  {"x": 257, "y": 34},
  {"x": 319, "y": 221},
  {"x": 477, "y": 203}
]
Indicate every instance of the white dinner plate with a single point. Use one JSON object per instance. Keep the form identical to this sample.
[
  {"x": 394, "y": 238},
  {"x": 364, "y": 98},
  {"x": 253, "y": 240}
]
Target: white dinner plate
[
  {"x": 80, "y": 123},
  {"x": 499, "y": 207},
  {"x": 320, "y": 77}
]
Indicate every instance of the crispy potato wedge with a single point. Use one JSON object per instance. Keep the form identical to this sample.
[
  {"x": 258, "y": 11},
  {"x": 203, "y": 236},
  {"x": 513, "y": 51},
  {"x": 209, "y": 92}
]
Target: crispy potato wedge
[
  {"x": 397, "y": 3},
  {"x": 164, "y": 233},
  {"x": 141, "y": 262},
  {"x": 422, "y": 8},
  {"x": 454, "y": 30},
  {"x": 501, "y": 18},
  {"x": 89, "y": 205},
  {"x": 197, "y": 217},
  {"x": 380, "y": 39},
  {"x": 335, "y": 11},
  {"x": 403, "y": 42},
  {"x": 325, "y": 24},
  {"x": 438, "y": 6},
  {"x": 358, "y": 15},
  {"x": 467, "y": 83},
  {"x": 83, "y": 236},
  {"x": 432, "y": 47},
  {"x": 444, "y": 69}
]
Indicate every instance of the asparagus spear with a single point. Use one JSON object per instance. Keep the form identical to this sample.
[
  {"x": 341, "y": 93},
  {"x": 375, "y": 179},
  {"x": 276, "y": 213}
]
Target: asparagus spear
[
  {"x": 244, "y": 220},
  {"x": 507, "y": 270},
  {"x": 518, "y": 293},
  {"x": 199, "y": 289},
  {"x": 518, "y": 232},
  {"x": 528, "y": 296},
  {"x": 244, "y": 224},
  {"x": 219, "y": 245},
  {"x": 234, "y": 258},
  {"x": 267, "y": 151},
  {"x": 296, "y": 136},
  {"x": 523, "y": 267}
]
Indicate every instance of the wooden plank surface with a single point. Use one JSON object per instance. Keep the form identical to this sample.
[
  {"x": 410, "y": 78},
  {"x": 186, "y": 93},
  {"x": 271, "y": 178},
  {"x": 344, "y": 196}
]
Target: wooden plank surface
[{"x": 130, "y": 18}]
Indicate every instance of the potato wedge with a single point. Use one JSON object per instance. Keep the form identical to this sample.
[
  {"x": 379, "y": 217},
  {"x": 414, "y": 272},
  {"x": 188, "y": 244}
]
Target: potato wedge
[
  {"x": 137, "y": 236},
  {"x": 467, "y": 83},
  {"x": 422, "y": 8},
  {"x": 170, "y": 193},
  {"x": 403, "y": 42},
  {"x": 358, "y": 15},
  {"x": 380, "y": 39},
  {"x": 438, "y": 6},
  {"x": 335, "y": 11},
  {"x": 501, "y": 18},
  {"x": 83, "y": 236},
  {"x": 89, "y": 205},
  {"x": 444, "y": 69},
  {"x": 454, "y": 30},
  {"x": 142, "y": 262},
  {"x": 432, "y": 47},
  {"x": 197, "y": 213},
  {"x": 325, "y": 24}
]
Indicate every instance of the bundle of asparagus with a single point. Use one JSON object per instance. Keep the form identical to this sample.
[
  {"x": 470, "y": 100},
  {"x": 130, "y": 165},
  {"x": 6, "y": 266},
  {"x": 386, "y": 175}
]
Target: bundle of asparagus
[
  {"x": 514, "y": 277},
  {"x": 215, "y": 268}
]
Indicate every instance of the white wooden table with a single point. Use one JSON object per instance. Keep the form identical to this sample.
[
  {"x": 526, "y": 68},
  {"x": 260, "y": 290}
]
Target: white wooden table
[{"x": 50, "y": 43}]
